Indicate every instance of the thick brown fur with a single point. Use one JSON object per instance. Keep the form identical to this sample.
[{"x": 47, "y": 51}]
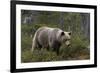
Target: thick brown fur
[{"x": 46, "y": 37}]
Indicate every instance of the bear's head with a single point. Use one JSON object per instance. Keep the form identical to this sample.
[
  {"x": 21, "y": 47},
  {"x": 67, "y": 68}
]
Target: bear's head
[{"x": 64, "y": 37}]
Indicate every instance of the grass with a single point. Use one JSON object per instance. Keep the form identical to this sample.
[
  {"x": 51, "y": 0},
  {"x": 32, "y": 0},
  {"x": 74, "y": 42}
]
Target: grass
[{"x": 77, "y": 51}]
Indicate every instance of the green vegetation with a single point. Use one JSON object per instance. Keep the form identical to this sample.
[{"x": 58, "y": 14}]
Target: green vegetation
[{"x": 79, "y": 48}]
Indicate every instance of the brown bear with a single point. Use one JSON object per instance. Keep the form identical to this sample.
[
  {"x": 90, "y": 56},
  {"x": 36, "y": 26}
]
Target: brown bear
[{"x": 46, "y": 37}]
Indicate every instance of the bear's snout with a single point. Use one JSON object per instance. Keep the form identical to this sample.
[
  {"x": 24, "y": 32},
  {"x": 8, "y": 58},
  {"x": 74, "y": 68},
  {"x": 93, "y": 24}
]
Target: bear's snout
[{"x": 67, "y": 43}]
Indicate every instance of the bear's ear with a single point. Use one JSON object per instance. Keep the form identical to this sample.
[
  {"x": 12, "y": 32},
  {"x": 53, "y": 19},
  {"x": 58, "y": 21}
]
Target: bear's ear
[
  {"x": 69, "y": 33},
  {"x": 62, "y": 33}
]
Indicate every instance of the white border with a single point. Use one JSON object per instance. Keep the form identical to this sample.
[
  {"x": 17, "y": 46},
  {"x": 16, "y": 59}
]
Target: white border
[{"x": 57, "y": 63}]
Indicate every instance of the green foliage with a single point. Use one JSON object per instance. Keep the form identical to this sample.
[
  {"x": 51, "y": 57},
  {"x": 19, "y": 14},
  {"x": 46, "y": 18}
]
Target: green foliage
[
  {"x": 78, "y": 41},
  {"x": 26, "y": 42}
]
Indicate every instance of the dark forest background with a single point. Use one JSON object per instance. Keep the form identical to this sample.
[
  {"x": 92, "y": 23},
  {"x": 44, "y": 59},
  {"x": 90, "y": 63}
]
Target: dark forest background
[{"x": 77, "y": 23}]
